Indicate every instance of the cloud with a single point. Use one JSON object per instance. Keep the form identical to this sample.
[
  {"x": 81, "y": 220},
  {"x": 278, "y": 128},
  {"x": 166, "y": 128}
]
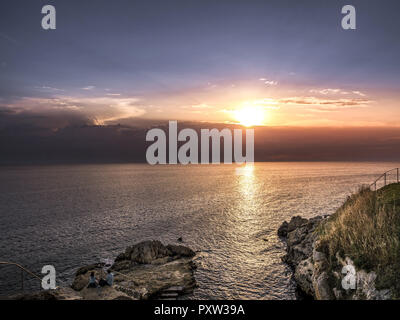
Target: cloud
[
  {"x": 127, "y": 143},
  {"x": 23, "y": 121},
  {"x": 88, "y": 88},
  {"x": 325, "y": 104},
  {"x": 48, "y": 88},
  {"x": 268, "y": 82},
  {"x": 330, "y": 91},
  {"x": 97, "y": 110},
  {"x": 359, "y": 93},
  {"x": 325, "y": 91}
]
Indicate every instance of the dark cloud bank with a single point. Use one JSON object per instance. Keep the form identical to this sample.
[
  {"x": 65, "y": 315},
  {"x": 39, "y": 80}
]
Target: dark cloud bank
[{"x": 28, "y": 138}]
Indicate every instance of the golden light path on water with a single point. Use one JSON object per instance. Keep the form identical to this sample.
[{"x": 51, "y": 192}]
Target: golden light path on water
[{"x": 244, "y": 261}]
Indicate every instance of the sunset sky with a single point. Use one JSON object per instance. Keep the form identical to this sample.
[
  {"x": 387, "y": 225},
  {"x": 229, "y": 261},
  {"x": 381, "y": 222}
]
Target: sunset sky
[
  {"x": 276, "y": 63},
  {"x": 290, "y": 61}
]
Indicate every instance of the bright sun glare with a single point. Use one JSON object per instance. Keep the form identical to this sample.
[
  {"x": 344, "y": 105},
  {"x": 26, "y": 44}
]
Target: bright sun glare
[{"x": 250, "y": 116}]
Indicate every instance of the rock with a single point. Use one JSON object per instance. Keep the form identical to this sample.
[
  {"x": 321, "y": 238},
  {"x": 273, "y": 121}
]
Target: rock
[
  {"x": 303, "y": 275},
  {"x": 104, "y": 293},
  {"x": 144, "y": 271},
  {"x": 283, "y": 229},
  {"x": 308, "y": 263},
  {"x": 297, "y": 235},
  {"x": 296, "y": 222},
  {"x": 300, "y": 238},
  {"x": 318, "y": 256},
  {"x": 144, "y": 252},
  {"x": 296, "y": 254},
  {"x": 180, "y": 251},
  {"x": 162, "y": 260},
  {"x": 322, "y": 290},
  {"x": 57, "y": 294},
  {"x": 150, "y": 252},
  {"x": 85, "y": 269},
  {"x": 337, "y": 293},
  {"x": 121, "y": 265},
  {"x": 319, "y": 259}
]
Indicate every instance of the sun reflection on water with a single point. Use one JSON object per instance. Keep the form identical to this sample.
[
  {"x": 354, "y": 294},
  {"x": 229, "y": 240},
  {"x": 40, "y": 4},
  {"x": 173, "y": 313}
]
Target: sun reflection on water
[
  {"x": 247, "y": 186},
  {"x": 241, "y": 228}
]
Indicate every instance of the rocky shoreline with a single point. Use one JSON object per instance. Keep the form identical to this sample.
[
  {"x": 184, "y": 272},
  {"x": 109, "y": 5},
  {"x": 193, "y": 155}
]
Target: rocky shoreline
[
  {"x": 146, "y": 270},
  {"x": 317, "y": 277},
  {"x": 152, "y": 270}
]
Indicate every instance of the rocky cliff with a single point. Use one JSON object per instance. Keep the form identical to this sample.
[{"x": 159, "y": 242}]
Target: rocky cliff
[{"x": 316, "y": 275}]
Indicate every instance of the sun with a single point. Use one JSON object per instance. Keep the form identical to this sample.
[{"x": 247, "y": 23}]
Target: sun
[{"x": 250, "y": 116}]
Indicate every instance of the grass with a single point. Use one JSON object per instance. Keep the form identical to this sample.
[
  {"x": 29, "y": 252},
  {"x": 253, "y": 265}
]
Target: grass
[{"x": 367, "y": 229}]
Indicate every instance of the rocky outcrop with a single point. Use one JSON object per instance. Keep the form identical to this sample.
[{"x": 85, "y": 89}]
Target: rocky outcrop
[
  {"x": 145, "y": 270},
  {"x": 299, "y": 236},
  {"x": 315, "y": 276},
  {"x": 151, "y": 252}
]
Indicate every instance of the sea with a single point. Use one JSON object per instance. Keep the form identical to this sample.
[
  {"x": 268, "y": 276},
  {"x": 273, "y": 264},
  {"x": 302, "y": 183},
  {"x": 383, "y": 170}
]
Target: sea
[{"x": 69, "y": 216}]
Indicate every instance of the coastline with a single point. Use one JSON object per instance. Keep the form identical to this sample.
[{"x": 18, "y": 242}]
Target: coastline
[{"x": 323, "y": 274}]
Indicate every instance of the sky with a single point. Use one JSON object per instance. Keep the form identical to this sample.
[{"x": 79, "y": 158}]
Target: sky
[{"x": 275, "y": 63}]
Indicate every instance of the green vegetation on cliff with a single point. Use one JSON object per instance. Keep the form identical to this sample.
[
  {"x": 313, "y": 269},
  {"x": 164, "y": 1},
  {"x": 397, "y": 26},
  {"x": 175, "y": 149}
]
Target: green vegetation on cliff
[{"x": 366, "y": 228}]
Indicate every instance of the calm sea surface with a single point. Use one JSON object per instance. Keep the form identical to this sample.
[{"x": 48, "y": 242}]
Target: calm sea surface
[{"x": 69, "y": 216}]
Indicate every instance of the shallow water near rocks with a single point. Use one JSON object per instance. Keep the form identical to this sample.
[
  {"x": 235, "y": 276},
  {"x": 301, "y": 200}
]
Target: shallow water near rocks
[{"x": 70, "y": 216}]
